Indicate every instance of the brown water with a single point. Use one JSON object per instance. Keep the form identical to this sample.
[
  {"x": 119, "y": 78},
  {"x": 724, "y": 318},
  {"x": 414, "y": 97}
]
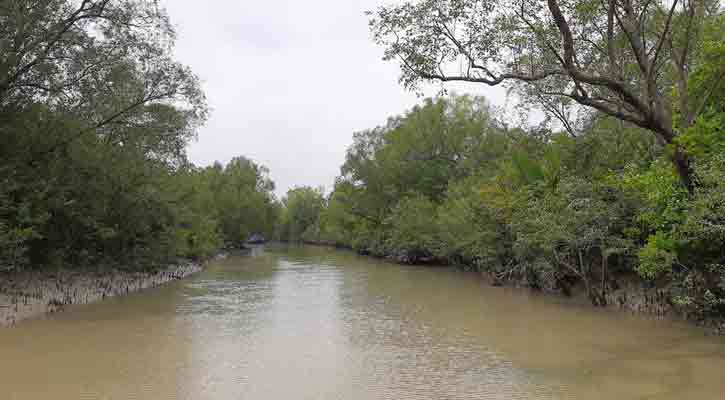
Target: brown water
[{"x": 314, "y": 323}]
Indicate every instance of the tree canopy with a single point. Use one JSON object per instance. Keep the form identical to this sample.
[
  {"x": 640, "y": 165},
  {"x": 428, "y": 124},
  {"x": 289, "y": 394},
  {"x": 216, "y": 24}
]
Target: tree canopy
[
  {"x": 95, "y": 117},
  {"x": 632, "y": 60},
  {"x": 448, "y": 182}
]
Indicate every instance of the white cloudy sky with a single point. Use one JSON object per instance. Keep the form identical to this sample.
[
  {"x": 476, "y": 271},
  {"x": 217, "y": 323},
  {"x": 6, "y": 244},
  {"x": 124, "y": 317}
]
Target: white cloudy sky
[{"x": 288, "y": 82}]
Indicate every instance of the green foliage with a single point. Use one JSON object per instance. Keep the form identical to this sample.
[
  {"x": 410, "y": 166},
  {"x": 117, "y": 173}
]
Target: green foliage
[
  {"x": 447, "y": 181},
  {"x": 473, "y": 224},
  {"x": 413, "y": 230},
  {"x": 700, "y": 299},
  {"x": 663, "y": 198},
  {"x": 300, "y": 217},
  {"x": 703, "y": 231},
  {"x": 95, "y": 117},
  {"x": 337, "y": 226},
  {"x": 242, "y": 196},
  {"x": 576, "y": 228},
  {"x": 657, "y": 256},
  {"x": 657, "y": 68},
  {"x": 608, "y": 145},
  {"x": 706, "y": 136},
  {"x": 415, "y": 155},
  {"x": 526, "y": 170},
  {"x": 604, "y": 195},
  {"x": 677, "y": 225}
]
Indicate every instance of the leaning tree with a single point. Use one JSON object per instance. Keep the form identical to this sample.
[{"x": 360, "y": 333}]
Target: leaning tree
[
  {"x": 108, "y": 63},
  {"x": 629, "y": 59}
]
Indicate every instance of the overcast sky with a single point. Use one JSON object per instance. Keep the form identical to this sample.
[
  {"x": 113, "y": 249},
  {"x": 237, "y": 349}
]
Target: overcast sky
[{"x": 288, "y": 82}]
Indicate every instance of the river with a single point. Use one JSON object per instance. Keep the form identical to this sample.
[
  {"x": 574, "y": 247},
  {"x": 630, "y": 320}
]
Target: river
[{"x": 316, "y": 323}]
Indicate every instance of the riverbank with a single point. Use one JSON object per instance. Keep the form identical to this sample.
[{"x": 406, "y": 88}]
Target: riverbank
[
  {"x": 350, "y": 327},
  {"x": 625, "y": 292},
  {"x": 30, "y": 294}
]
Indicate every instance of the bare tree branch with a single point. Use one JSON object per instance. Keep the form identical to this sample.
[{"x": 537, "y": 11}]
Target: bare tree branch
[{"x": 663, "y": 37}]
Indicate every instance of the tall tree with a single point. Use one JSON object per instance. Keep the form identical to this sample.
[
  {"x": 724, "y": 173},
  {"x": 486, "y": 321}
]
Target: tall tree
[
  {"x": 101, "y": 61},
  {"x": 95, "y": 115},
  {"x": 623, "y": 58}
]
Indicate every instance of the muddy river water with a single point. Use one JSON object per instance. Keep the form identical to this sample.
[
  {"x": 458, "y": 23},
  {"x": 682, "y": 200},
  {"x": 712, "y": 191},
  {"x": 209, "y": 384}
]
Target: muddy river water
[{"x": 316, "y": 323}]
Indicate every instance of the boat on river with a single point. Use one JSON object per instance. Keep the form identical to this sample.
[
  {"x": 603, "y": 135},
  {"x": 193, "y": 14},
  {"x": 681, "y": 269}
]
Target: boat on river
[{"x": 256, "y": 238}]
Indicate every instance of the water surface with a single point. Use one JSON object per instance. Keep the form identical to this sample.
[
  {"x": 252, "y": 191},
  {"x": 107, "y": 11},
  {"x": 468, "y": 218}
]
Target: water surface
[{"x": 316, "y": 323}]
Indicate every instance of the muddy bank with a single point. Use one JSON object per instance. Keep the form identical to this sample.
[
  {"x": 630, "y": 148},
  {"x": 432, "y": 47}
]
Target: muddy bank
[
  {"x": 33, "y": 293},
  {"x": 635, "y": 296},
  {"x": 626, "y": 292}
]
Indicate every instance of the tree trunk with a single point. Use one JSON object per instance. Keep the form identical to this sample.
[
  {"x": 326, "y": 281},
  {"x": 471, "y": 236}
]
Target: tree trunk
[
  {"x": 684, "y": 170},
  {"x": 605, "y": 268}
]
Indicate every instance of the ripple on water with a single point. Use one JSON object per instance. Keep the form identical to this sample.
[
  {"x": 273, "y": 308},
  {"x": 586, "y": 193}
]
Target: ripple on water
[{"x": 310, "y": 323}]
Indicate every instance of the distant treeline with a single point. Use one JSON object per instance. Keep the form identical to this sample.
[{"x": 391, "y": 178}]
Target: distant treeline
[
  {"x": 448, "y": 182},
  {"x": 95, "y": 116}
]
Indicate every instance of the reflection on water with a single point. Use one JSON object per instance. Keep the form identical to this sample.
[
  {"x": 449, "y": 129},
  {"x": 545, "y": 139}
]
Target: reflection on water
[{"x": 315, "y": 323}]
